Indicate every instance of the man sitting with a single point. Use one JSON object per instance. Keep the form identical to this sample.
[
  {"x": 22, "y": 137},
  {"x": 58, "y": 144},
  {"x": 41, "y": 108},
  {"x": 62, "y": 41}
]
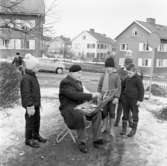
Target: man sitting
[{"x": 71, "y": 94}]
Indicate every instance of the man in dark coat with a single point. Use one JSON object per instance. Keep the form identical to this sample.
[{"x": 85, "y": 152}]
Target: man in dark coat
[
  {"x": 31, "y": 101},
  {"x": 19, "y": 63},
  {"x": 71, "y": 94}
]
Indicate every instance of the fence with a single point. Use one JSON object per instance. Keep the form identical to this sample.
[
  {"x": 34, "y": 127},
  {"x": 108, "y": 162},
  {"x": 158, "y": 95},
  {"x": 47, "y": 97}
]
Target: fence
[{"x": 161, "y": 84}]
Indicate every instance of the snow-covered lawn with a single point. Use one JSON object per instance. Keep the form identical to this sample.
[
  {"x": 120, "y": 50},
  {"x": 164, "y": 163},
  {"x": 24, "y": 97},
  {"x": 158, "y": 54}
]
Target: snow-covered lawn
[
  {"x": 147, "y": 148},
  {"x": 12, "y": 121}
]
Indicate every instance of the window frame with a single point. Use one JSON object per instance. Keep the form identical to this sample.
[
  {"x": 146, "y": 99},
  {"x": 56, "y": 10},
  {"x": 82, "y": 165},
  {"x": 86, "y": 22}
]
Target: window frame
[{"x": 126, "y": 47}]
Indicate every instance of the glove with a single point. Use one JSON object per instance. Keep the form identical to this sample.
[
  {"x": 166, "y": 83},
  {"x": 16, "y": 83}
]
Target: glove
[
  {"x": 138, "y": 103},
  {"x": 30, "y": 111},
  {"x": 115, "y": 101}
]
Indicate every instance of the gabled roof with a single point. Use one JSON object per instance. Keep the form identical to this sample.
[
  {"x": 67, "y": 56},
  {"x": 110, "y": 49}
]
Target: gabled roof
[
  {"x": 161, "y": 30},
  {"x": 25, "y": 7},
  {"x": 100, "y": 37}
]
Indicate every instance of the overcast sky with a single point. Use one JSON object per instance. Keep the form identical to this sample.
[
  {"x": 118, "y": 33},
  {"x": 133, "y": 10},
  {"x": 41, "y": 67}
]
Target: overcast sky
[{"x": 105, "y": 16}]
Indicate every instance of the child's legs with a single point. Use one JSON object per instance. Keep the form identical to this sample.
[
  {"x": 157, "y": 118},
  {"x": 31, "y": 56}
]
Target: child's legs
[
  {"x": 105, "y": 118},
  {"x": 119, "y": 112},
  {"x": 112, "y": 118},
  {"x": 126, "y": 110},
  {"x": 29, "y": 127},
  {"x": 111, "y": 110},
  {"x": 134, "y": 110}
]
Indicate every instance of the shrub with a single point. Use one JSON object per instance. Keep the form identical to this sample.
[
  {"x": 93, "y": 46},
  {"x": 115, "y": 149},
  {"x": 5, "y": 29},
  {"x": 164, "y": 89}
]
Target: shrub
[
  {"x": 9, "y": 85},
  {"x": 156, "y": 90},
  {"x": 163, "y": 114}
]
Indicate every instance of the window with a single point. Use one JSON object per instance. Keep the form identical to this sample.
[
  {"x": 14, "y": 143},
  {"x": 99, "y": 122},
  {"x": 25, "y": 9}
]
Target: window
[
  {"x": 90, "y": 55},
  {"x": 144, "y": 62},
  {"x": 162, "y": 47},
  {"x": 134, "y": 32},
  {"x": 6, "y": 44},
  {"x": 90, "y": 45},
  {"x": 18, "y": 44},
  {"x": 84, "y": 37},
  {"x": 123, "y": 47},
  {"x": 144, "y": 47},
  {"x": 121, "y": 61},
  {"x": 30, "y": 44},
  {"x": 161, "y": 63}
]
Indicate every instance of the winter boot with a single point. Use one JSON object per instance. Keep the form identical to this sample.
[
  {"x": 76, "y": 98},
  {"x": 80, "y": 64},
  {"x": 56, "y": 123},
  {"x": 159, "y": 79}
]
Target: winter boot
[
  {"x": 116, "y": 124},
  {"x": 124, "y": 127},
  {"x": 133, "y": 130},
  {"x": 130, "y": 124}
]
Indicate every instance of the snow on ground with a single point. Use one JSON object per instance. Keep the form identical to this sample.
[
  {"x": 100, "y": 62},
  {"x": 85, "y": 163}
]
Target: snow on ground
[
  {"x": 147, "y": 148},
  {"x": 12, "y": 121}
]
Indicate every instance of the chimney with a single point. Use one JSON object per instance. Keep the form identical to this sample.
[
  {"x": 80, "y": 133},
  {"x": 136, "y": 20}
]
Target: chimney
[
  {"x": 151, "y": 20},
  {"x": 92, "y": 30}
]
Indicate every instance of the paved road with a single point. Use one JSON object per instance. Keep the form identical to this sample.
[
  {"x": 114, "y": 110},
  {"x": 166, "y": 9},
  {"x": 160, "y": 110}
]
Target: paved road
[{"x": 90, "y": 80}]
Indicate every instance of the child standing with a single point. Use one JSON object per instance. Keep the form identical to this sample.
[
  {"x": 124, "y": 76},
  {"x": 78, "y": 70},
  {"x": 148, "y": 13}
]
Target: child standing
[
  {"x": 110, "y": 81},
  {"x": 133, "y": 93},
  {"x": 31, "y": 101}
]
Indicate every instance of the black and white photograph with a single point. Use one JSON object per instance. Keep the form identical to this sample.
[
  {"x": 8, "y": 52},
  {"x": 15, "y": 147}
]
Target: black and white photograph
[{"x": 83, "y": 83}]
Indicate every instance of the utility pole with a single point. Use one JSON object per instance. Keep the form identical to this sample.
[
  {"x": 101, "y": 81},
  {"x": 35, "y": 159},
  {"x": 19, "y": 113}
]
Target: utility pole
[
  {"x": 152, "y": 69},
  {"x": 154, "y": 42}
]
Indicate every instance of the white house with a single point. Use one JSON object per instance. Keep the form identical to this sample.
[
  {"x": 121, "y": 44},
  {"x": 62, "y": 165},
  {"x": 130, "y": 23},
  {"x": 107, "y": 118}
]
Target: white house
[{"x": 93, "y": 46}]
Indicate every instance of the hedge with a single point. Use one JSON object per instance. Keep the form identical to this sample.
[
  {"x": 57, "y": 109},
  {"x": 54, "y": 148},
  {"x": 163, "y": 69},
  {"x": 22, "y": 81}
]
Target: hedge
[{"x": 9, "y": 85}]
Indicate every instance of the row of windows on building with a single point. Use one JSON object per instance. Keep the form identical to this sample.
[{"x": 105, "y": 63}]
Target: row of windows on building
[
  {"x": 99, "y": 46},
  {"x": 99, "y": 55},
  {"x": 146, "y": 62},
  {"x": 93, "y": 46},
  {"x": 145, "y": 47},
  {"x": 17, "y": 44}
]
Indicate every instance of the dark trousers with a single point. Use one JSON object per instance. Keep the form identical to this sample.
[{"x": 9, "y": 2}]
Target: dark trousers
[
  {"x": 32, "y": 126},
  {"x": 119, "y": 112},
  {"x": 130, "y": 104},
  {"x": 96, "y": 128}
]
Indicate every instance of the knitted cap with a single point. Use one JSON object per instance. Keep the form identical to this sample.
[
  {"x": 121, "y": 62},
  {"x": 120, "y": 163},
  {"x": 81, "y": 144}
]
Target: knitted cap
[
  {"x": 131, "y": 67},
  {"x": 75, "y": 68},
  {"x": 30, "y": 61},
  {"x": 109, "y": 62},
  {"x": 128, "y": 61}
]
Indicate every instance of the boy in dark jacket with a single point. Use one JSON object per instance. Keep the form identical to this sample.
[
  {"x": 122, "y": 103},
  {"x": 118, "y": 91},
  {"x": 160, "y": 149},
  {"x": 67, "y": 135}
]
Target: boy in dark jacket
[
  {"x": 31, "y": 101},
  {"x": 123, "y": 75},
  {"x": 133, "y": 94},
  {"x": 71, "y": 94}
]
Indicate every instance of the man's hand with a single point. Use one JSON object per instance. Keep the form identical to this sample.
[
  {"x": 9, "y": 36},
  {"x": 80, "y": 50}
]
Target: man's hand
[
  {"x": 96, "y": 95},
  {"x": 31, "y": 111},
  {"x": 138, "y": 103},
  {"x": 115, "y": 101}
]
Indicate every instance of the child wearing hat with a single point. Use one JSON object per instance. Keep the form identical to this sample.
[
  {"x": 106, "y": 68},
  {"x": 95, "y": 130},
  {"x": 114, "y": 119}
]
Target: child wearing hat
[
  {"x": 133, "y": 93},
  {"x": 108, "y": 82},
  {"x": 31, "y": 101}
]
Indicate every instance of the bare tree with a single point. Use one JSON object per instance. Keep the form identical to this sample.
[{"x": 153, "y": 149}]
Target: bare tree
[{"x": 48, "y": 27}]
